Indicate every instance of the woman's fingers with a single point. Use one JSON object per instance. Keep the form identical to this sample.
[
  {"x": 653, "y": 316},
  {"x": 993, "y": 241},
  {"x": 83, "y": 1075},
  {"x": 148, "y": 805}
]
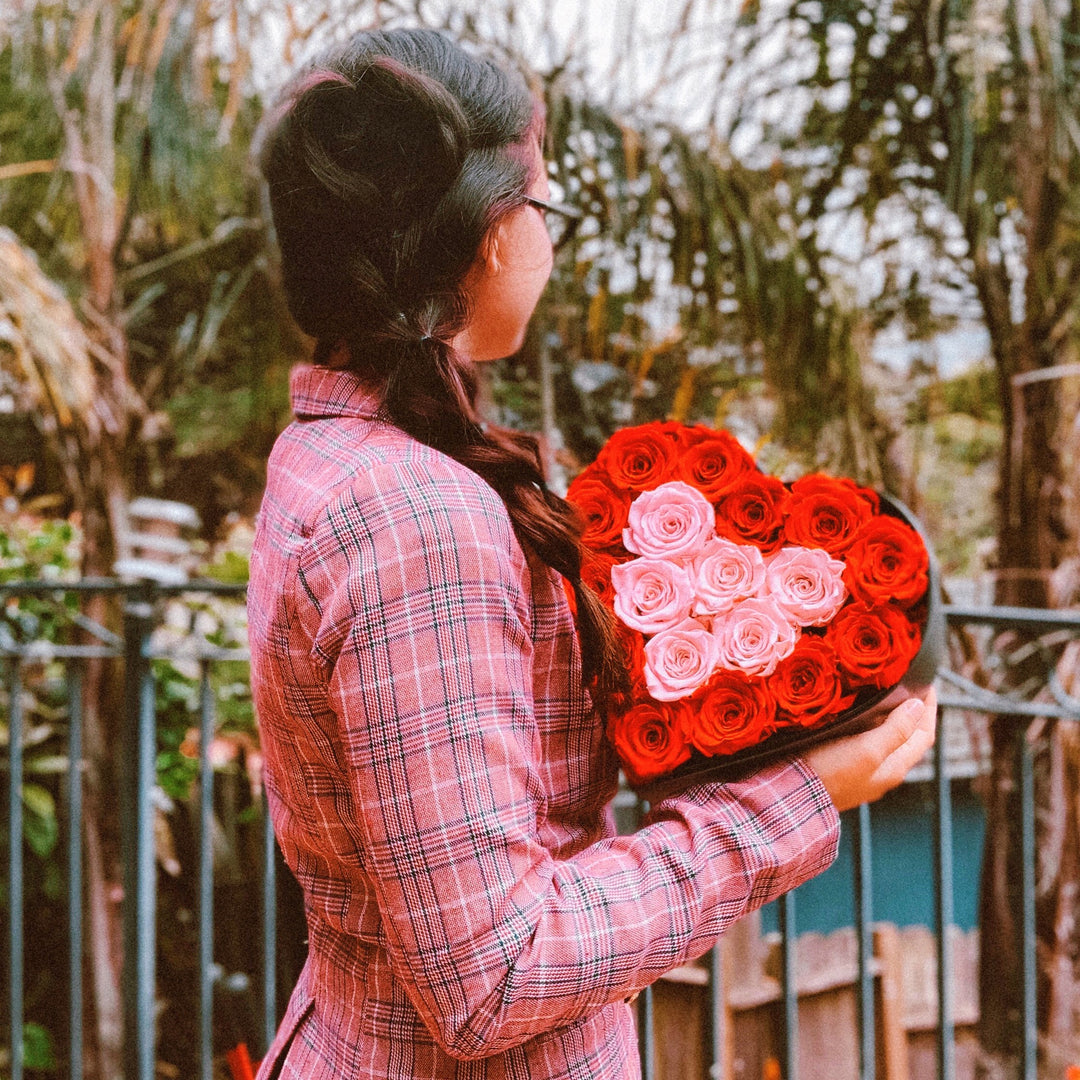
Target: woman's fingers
[
  {"x": 897, "y": 728},
  {"x": 861, "y": 768},
  {"x": 913, "y": 731}
]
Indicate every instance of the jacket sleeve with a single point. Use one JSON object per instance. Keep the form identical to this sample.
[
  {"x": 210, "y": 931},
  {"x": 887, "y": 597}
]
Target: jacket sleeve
[{"x": 424, "y": 632}]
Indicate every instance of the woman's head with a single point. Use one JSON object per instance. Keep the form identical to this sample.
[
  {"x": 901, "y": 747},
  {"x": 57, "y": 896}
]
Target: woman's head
[
  {"x": 397, "y": 172},
  {"x": 399, "y": 169}
]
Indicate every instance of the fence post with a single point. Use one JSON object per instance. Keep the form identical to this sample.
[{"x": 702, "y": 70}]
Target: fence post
[
  {"x": 15, "y": 865},
  {"x": 138, "y": 777},
  {"x": 943, "y": 897},
  {"x": 718, "y": 1027},
  {"x": 864, "y": 915},
  {"x": 1028, "y": 970},
  {"x": 207, "y": 726},
  {"x": 269, "y": 928},
  {"x": 646, "y": 1017},
  {"x": 75, "y": 868},
  {"x": 789, "y": 986}
]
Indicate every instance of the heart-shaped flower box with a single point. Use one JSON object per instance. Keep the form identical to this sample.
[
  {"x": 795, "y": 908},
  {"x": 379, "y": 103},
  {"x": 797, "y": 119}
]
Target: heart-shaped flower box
[{"x": 759, "y": 618}]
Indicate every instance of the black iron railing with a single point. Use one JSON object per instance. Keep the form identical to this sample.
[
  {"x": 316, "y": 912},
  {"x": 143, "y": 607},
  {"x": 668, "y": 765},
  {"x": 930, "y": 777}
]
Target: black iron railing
[{"x": 134, "y": 648}]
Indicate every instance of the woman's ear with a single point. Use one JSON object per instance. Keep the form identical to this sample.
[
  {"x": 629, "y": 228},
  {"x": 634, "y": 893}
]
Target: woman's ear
[
  {"x": 488, "y": 261},
  {"x": 490, "y": 254}
]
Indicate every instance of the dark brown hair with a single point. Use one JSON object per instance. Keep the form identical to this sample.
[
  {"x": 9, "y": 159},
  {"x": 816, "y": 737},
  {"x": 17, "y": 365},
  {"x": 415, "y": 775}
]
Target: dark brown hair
[{"x": 388, "y": 164}]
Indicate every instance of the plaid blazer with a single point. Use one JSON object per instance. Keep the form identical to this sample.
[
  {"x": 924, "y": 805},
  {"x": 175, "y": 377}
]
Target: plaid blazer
[{"x": 440, "y": 785}]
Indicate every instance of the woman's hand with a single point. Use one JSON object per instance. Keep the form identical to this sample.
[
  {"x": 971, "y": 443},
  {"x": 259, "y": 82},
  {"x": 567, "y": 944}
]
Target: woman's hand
[{"x": 861, "y": 768}]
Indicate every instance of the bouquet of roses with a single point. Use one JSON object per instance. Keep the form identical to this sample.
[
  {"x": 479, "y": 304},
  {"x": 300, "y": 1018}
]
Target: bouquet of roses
[{"x": 749, "y": 609}]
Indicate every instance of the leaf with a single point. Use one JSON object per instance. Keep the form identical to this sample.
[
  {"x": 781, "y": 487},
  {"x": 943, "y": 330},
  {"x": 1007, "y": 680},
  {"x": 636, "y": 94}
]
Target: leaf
[
  {"x": 232, "y": 568},
  {"x": 38, "y": 1052},
  {"x": 38, "y": 800},
  {"x": 41, "y": 830},
  {"x": 48, "y": 356},
  {"x": 48, "y": 765},
  {"x": 684, "y": 395},
  {"x": 597, "y": 323},
  {"x": 53, "y": 881},
  {"x": 80, "y": 38},
  {"x": 632, "y": 151}
]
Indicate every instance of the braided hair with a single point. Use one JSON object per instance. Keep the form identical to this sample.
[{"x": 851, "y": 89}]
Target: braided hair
[{"x": 389, "y": 163}]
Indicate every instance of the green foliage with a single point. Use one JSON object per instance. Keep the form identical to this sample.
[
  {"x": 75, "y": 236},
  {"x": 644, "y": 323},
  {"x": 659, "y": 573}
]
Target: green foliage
[
  {"x": 230, "y": 567},
  {"x": 35, "y": 205},
  {"x": 975, "y": 394},
  {"x": 29, "y": 551},
  {"x": 192, "y": 629},
  {"x": 685, "y": 286},
  {"x": 177, "y": 710},
  {"x": 205, "y": 419},
  {"x": 213, "y": 628},
  {"x": 39, "y": 550},
  {"x": 207, "y": 342},
  {"x": 33, "y": 550},
  {"x": 38, "y": 1051},
  {"x": 41, "y": 830},
  {"x": 970, "y": 441}
]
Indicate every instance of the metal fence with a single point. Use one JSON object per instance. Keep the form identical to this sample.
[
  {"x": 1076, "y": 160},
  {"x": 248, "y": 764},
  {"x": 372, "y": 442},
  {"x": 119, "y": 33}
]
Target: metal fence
[{"x": 23, "y": 649}]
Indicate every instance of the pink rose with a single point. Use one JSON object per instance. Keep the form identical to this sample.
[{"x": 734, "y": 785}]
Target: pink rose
[
  {"x": 725, "y": 573},
  {"x": 651, "y": 594},
  {"x": 673, "y": 520},
  {"x": 807, "y": 583},
  {"x": 679, "y": 660},
  {"x": 754, "y": 637}
]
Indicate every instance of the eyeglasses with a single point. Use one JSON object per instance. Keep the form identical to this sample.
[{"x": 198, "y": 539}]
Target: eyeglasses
[{"x": 562, "y": 226}]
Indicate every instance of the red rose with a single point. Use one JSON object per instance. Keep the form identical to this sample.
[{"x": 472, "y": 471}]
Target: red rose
[
  {"x": 603, "y": 511},
  {"x": 691, "y": 434},
  {"x": 633, "y": 646},
  {"x": 640, "y": 458},
  {"x": 874, "y": 646},
  {"x": 714, "y": 462},
  {"x": 826, "y": 512},
  {"x": 596, "y": 573},
  {"x": 807, "y": 685},
  {"x": 650, "y": 739},
  {"x": 753, "y": 513},
  {"x": 887, "y": 562},
  {"x": 733, "y": 712}
]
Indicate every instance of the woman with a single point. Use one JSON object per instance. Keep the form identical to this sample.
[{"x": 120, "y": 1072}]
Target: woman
[{"x": 437, "y": 773}]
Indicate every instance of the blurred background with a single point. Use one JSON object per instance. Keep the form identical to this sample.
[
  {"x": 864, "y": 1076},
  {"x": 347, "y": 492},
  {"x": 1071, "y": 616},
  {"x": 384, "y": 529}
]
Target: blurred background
[{"x": 846, "y": 231}]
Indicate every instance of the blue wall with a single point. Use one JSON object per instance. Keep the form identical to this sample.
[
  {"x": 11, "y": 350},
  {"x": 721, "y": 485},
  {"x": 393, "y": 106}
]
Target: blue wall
[{"x": 901, "y": 829}]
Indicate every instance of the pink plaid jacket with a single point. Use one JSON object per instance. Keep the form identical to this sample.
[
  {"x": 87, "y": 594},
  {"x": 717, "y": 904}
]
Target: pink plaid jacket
[{"x": 440, "y": 785}]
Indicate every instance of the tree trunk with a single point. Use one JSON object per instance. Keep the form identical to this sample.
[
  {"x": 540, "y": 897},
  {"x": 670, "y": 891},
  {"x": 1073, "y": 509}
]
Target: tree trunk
[
  {"x": 102, "y": 704},
  {"x": 90, "y": 140},
  {"x": 1058, "y": 919},
  {"x": 1033, "y": 539}
]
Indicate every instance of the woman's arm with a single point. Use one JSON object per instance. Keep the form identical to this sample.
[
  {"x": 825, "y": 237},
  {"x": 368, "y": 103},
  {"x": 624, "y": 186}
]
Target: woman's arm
[{"x": 424, "y": 632}]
